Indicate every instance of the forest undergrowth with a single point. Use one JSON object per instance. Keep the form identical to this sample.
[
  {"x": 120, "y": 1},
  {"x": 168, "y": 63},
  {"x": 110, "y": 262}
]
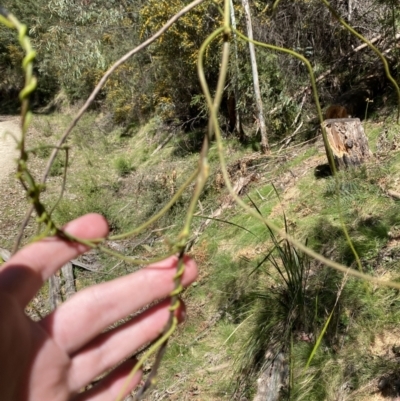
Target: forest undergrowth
[
  {"x": 299, "y": 277},
  {"x": 218, "y": 352}
]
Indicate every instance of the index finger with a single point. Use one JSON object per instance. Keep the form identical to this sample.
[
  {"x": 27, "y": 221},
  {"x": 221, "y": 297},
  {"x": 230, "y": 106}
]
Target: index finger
[{"x": 24, "y": 274}]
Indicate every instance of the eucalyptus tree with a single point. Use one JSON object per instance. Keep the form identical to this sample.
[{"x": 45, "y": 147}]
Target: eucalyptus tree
[{"x": 257, "y": 93}]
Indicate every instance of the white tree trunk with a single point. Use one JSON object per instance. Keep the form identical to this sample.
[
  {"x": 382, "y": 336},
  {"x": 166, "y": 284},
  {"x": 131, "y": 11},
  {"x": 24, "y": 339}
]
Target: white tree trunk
[
  {"x": 238, "y": 122},
  {"x": 350, "y": 9},
  {"x": 263, "y": 128}
]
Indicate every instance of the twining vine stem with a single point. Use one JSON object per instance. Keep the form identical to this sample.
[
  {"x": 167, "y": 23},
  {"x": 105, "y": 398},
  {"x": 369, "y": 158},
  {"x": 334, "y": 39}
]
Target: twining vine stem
[{"x": 199, "y": 176}]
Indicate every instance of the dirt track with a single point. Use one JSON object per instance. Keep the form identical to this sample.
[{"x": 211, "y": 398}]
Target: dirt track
[{"x": 8, "y": 152}]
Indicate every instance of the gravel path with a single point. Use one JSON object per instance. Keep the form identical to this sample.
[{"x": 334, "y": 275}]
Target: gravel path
[{"x": 8, "y": 151}]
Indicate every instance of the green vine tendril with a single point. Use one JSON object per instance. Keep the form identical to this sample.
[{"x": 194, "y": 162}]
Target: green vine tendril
[{"x": 200, "y": 175}]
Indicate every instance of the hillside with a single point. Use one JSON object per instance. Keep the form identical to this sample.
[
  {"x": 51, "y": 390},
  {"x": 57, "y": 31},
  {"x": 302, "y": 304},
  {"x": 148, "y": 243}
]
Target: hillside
[
  {"x": 242, "y": 307},
  {"x": 298, "y": 292}
]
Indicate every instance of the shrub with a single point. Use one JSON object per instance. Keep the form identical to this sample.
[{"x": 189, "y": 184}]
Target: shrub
[{"x": 122, "y": 166}]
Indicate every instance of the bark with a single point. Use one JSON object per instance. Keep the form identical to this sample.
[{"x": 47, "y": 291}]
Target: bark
[
  {"x": 55, "y": 298},
  {"x": 234, "y": 114},
  {"x": 163, "y": 143},
  {"x": 273, "y": 378},
  {"x": 264, "y": 138},
  {"x": 347, "y": 141},
  {"x": 393, "y": 194},
  {"x": 350, "y": 9},
  {"x": 55, "y": 293},
  {"x": 92, "y": 268},
  {"x": 68, "y": 274}
]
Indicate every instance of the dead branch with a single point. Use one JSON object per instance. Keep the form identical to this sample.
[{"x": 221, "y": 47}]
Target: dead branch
[
  {"x": 393, "y": 194},
  {"x": 68, "y": 274},
  {"x": 163, "y": 143},
  {"x": 327, "y": 73}
]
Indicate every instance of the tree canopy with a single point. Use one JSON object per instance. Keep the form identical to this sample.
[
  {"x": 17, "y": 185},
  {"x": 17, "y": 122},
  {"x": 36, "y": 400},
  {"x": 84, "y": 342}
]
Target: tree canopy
[{"x": 77, "y": 41}]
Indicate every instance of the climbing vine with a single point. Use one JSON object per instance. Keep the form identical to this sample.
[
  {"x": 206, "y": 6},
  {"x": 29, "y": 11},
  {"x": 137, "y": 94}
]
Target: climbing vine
[{"x": 196, "y": 55}]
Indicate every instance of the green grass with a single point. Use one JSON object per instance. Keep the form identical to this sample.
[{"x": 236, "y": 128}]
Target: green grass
[
  {"x": 234, "y": 312},
  {"x": 43, "y": 150},
  {"x": 122, "y": 166},
  {"x": 58, "y": 166}
]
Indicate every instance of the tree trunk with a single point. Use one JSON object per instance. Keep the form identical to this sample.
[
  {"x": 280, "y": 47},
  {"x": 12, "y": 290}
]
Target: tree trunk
[
  {"x": 347, "y": 141},
  {"x": 264, "y": 139},
  {"x": 349, "y": 10},
  {"x": 235, "y": 121}
]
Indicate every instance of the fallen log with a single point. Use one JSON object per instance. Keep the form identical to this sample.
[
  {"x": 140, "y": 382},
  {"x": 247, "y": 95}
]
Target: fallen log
[
  {"x": 273, "y": 378},
  {"x": 393, "y": 194},
  {"x": 68, "y": 274},
  {"x": 55, "y": 298}
]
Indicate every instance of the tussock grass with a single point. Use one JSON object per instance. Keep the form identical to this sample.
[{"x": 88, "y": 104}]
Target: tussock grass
[
  {"x": 236, "y": 312},
  {"x": 123, "y": 166},
  {"x": 251, "y": 302}
]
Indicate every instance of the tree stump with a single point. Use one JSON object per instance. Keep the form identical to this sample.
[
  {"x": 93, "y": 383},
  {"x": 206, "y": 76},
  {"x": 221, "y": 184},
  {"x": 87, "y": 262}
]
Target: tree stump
[{"x": 347, "y": 141}]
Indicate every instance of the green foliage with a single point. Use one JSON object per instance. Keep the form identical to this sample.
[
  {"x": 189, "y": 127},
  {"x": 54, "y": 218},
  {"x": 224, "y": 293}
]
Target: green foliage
[
  {"x": 176, "y": 84},
  {"x": 132, "y": 101},
  {"x": 273, "y": 88},
  {"x": 92, "y": 198},
  {"x": 281, "y": 307},
  {"x": 71, "y": 39},
  {"x": 58, "y": 167},
  {"x": 123, "y": 166},
  {"x": 78, "y": 41},
  {"x": 43, "y": 150},
  {"x": 286, "y": 301}
]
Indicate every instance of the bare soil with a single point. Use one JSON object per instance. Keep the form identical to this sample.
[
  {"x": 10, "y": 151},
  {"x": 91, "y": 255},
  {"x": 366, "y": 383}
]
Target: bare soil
[
  {"x": 9, "y": 132},
  {"x": 13, "y": 198}
]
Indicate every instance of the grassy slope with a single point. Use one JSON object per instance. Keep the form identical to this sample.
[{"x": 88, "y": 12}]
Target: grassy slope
[{"x": 114, "y": 173}]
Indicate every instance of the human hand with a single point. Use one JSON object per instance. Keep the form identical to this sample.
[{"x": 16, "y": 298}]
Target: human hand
[{"x": 55, "y": 358}]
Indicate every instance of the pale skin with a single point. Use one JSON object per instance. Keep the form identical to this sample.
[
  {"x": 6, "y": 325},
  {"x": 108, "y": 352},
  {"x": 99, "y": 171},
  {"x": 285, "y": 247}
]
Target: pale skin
[{"x": 55, "y": 358}]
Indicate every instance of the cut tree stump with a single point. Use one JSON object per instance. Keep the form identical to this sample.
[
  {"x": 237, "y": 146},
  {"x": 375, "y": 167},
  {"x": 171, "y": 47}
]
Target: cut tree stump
[{"x": 347, "y": 141}]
